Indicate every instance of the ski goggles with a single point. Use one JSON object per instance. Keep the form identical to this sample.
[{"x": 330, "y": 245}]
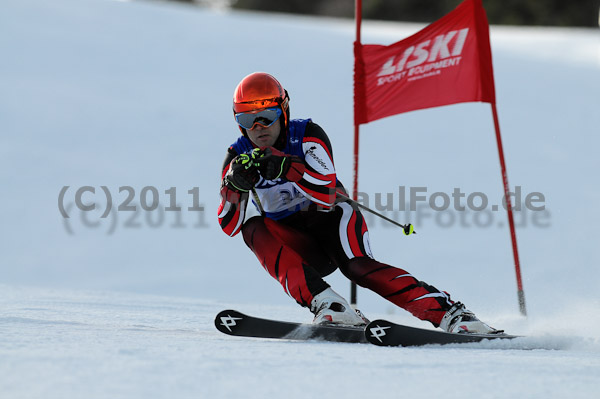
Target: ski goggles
[{"x": 264, "y": 118}]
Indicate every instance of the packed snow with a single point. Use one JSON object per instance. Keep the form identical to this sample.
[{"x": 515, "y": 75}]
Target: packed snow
[{"x": 111, "y": 94}]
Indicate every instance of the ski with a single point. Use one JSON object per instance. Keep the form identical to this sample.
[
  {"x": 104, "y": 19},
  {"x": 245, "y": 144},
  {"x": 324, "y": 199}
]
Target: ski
[
  {"x": 232, "y": 322},
  {"x": 386, "y": 333}
]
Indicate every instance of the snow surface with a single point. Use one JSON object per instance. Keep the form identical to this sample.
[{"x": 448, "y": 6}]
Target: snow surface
[{"x": 104, "y": 93}]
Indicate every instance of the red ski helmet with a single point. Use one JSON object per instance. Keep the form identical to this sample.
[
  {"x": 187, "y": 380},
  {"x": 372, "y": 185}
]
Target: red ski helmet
[{"x": 258, "y": 91}]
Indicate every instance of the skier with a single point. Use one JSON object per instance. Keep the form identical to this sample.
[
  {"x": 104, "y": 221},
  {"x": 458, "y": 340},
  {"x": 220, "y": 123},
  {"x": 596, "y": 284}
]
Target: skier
[{"x": 305, "y": 231}]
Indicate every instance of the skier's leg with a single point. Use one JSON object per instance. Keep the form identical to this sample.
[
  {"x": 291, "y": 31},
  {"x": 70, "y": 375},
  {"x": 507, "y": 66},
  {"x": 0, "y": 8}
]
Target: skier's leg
[
  {"x": 421, "y": 299},
  {"x": 289, "y": 256},
  {"x": 348, "y": 240},
  {"x": 399, "y": 287},
  {"x": 286, "y": 254},
  {"x": 344, "y": 234}
]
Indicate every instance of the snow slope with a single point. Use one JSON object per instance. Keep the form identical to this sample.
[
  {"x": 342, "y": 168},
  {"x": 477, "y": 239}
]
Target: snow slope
[
  {"x": 104, "y": 93},
  {"x": 66, "y": 344}
]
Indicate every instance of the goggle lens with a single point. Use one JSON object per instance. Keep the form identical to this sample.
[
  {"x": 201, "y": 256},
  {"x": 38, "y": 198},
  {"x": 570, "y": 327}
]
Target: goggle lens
[{"x": 264, "y": 118}]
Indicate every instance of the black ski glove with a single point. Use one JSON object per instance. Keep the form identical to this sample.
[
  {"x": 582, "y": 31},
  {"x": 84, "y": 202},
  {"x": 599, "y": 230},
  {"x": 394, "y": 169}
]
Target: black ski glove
[
  {"x": 242, "y": 175},
  {"x": 274, "y": 164}
]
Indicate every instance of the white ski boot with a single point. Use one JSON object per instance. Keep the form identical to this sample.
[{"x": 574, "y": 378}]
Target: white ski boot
[
  {"x": 461, "y": 320},
  {"x": 331, "y": 308}
]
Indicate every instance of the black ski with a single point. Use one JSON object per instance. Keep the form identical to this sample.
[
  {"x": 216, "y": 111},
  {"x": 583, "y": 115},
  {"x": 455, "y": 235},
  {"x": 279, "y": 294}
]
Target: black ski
[
  {"x": 386, "y": 333},
  {"x": 232, "y": 322}
]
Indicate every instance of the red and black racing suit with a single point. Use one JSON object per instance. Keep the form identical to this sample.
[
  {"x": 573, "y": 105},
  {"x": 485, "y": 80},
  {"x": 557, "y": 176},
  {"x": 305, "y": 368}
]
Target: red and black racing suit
[{"x": 301, "y": 247}]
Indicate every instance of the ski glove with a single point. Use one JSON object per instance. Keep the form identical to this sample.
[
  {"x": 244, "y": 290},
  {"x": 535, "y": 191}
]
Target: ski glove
[
  {"x": 242, "y": 176},
  {"x": 274, "y": 164}
]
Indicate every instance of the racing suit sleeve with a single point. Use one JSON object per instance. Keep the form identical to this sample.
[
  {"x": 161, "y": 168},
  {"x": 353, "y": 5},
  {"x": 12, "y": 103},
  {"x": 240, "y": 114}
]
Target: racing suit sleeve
[
  {"x": 319, "y": 179},
  {"x": 232, "y": 207}
]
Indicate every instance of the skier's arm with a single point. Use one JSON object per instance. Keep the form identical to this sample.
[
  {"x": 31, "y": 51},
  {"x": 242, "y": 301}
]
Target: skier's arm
[
  {"x": 314, "y": 176},
  {"x": 235, "y": 184},
  {"x": 319, "y": 179}
]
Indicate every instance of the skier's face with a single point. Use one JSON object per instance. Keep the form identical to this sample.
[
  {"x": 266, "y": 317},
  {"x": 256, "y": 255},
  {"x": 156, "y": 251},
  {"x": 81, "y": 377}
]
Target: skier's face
[{"x": 264, "y": 136}]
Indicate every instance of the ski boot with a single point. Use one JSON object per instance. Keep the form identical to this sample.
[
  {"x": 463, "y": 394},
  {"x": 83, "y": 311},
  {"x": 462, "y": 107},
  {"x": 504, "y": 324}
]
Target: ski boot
[
  {"x": 330, "y": 308},
  {"x": 458, "y": 319}
]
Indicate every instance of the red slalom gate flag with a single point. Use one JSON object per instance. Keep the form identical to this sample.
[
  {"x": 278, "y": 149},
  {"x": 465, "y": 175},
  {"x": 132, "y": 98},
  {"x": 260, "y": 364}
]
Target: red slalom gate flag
[{"x": 447, "y": 62}]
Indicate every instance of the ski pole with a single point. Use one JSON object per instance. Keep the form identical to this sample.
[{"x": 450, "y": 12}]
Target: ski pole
[
  {"x": 258, "y": 203},
  {"x": 250, "y": 161},
  {"x": 407, "y": 228}
]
